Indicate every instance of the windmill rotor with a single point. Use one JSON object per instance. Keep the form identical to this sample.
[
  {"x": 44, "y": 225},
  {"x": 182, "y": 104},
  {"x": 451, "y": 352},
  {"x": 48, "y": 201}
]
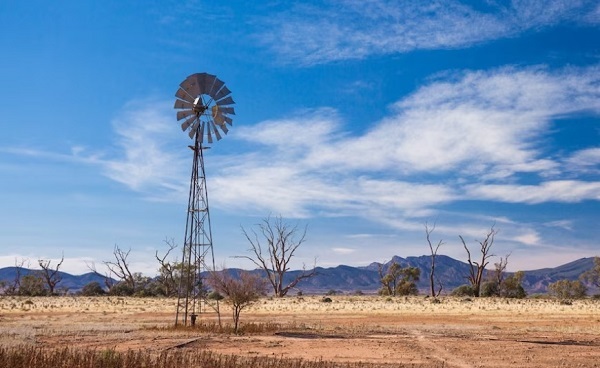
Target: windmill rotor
[{"x": 205, "y": 106}]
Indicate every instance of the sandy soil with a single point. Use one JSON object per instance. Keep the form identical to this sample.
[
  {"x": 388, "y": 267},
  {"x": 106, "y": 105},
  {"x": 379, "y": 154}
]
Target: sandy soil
[{"x": 411, "y": 331}]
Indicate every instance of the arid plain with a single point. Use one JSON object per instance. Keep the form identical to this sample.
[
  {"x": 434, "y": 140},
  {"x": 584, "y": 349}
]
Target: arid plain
[{"x": 401, "y": 331}]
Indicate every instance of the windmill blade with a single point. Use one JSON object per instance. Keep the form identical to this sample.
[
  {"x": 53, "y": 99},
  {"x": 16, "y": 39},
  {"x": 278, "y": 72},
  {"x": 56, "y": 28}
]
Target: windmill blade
[
  {"x": 215, "y": 130},
  {"x": 218, "y": 118},
  {"x": 184, "y": 114},
  {"x": 226, "y": 101},
  {"x": 186, "y": 124},
  {"x": 179, "y": 104},
  {"x": 205, "y": 81},
  {"x": 194, "y": 129},
  {"x": 190, "y": 85},
  {"x": 215, "y": 88},
  {"x": 227, "y": 119},
  {"x": 201, "y": 132},
  {"x": 224, "y": 128},
  {"x": 226, "y": 110},
  {"x": 181, "y": 94},
  {"x": 210, "y": 140},
  {"x": 222, "y": 93}
]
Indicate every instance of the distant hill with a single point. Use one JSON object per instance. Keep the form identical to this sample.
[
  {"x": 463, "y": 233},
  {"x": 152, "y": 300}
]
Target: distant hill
[
  {"x": 451, "y": 272},
  {"x": 73, "y": 283}
]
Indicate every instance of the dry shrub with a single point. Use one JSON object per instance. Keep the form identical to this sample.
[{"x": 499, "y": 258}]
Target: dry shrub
[
  {"x": 30, "y": 356},
  {"x": 228, "y": 328}
]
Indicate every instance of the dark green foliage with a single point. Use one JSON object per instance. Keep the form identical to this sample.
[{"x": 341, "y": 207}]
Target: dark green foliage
[
  {"x": 399, "y": 280},
  {"x": 511, "y": 286},
  {"x": 121, "y": 288},
  {"x": 567, "y": 289},
  {"x": 463, "y": 290},
  {"x": 213, "y": 295},
  {"x": 489, "y": 289},
  {"x": 326, "y": 300},
  {"x": 92, "y": 289}
]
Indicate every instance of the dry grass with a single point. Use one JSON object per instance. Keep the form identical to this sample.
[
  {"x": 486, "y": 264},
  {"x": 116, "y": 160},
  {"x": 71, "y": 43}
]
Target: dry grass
[{"x": 27, "y": 357}]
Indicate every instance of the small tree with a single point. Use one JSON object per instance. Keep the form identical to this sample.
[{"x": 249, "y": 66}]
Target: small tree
[
  {"x": 239, "y": 292},
  {"x": 433, "y": 250},
  {"x": 51, "y": 275},
  {"x": 32, "y": 285},
  {"x": 567, "y": 289},
  {"x": 282, "y": 241},
  {"x": 511, "y": 287},
  {"x": 476, "y": 269},
  {"x": 398, "y": 280},
  {"x": 495, "y": 283},
  {"x": 592, "y": 276}
]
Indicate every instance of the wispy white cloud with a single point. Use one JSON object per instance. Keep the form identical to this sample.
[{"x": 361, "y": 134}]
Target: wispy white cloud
[
  {"x": 145, "y": 159},
  {"x": 586, "y": 160},
  {"x": 343, "y": 250},
  {"x": 352, "y": 29},
  {"x": 569, "y": 191}
]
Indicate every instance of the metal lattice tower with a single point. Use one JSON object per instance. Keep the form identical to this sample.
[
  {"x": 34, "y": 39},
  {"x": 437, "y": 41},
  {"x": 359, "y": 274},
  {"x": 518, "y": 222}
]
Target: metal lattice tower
[{"x": 204, "y": 102}]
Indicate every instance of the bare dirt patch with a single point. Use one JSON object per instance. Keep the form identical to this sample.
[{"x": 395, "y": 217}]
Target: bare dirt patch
[{"x": 409, "y": 331}]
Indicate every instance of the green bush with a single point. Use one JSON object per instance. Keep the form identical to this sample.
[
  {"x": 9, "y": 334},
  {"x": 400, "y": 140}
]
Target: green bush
[
  {"x": 463, "y": 290},
  {"x": 214, "y": 295},
  {"x": 567, "y": 289},
  {"x": 489, "y": 289}
]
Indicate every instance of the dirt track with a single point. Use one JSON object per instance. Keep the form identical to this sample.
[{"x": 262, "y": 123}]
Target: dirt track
[{"x": 411, "y": 331}]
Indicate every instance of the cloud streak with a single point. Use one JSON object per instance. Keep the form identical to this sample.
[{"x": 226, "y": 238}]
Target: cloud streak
[{"x": 352, "y": 29}]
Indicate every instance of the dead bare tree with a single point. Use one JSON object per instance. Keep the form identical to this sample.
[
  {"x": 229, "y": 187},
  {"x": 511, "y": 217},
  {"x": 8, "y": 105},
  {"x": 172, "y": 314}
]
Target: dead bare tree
[
  {"x": 476, "y": 269},
  {"x": 433, "y": 250},
  {"x": 281, "y": 245},
  {"x": 50, "y": 275},
  {"x": 168, "y": 270},
  {"x": 120, "y": 268},
  {"x": 13, "y": 287},
  {"x": 239, "y": 292},
  {"x": 500, "y": 269}
]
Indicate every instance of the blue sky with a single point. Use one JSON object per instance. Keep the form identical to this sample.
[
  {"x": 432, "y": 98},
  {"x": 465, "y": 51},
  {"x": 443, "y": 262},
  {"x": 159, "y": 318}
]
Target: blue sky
[{"x": 361, "y": 119}]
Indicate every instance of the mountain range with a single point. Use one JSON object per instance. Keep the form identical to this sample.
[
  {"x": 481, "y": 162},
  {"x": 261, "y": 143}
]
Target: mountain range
[{"x": 347, "y": 279}]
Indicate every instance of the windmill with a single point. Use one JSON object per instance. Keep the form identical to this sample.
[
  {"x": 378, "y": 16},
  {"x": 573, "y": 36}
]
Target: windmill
[{"x": 204, "y": 105}]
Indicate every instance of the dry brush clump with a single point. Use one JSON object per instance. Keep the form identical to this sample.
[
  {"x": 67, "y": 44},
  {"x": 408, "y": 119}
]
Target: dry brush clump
[{"x": 30, "y": 356}]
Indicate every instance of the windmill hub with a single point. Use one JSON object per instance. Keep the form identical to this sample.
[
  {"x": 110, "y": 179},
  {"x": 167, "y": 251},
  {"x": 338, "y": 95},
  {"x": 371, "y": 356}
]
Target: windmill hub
[{"x": 199, "y": 108}]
